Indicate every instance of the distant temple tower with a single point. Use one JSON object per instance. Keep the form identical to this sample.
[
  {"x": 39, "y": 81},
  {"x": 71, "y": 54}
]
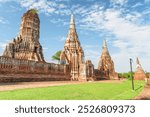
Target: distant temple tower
[
  {"x": 139, "y": 73},
  {"x": 106, "y": 65},
  {"x": 72, "y": 53},
  {"x": 26, "y": 45}
]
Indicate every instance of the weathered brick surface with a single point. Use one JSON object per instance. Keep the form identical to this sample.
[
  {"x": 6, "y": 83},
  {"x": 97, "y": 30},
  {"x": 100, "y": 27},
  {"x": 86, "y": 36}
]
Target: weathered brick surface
[
  {"x": 73, "y": 53},
  {"x": 139, "y": 73},
  {"x": 23, "y": 59},
  {"x": 106, "y": 65},
  {"x": 13, "y": 70},
  {"x": 26, "y": 45}
]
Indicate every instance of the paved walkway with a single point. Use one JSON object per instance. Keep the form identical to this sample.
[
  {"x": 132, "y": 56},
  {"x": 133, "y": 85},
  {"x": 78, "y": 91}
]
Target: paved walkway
[
  {"x": 145, "y": 94},
  {"x": 23, "y": 85}
]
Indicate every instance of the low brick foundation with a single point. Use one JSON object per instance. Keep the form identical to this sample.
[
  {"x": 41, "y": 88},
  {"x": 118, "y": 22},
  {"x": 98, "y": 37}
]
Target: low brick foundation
[
  {"x": 16, "y": 70},
  {"x": 32, "y": 78}
]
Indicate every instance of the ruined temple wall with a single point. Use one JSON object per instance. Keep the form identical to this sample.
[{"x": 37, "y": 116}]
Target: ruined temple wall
[
  {"x": 24, "y": 69},
  {"x": 87, "y": 71},
  {"x": 100, "y": 75}
]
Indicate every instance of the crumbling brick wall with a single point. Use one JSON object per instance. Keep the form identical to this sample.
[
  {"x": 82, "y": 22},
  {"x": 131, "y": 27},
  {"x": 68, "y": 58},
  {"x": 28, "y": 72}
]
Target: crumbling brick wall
[{"x": 12, "y": 70}]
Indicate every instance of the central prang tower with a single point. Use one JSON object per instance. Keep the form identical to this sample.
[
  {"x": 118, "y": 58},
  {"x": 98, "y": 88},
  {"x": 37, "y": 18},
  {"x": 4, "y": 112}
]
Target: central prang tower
[
  {"x": 26, "y": 46},
  {"x": 72, "y": 53}
]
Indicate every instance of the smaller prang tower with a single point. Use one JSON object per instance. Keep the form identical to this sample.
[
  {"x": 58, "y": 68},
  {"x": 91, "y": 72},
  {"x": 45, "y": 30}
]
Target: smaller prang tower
[
  {"x": 26, "y": 45},
  {"x": 72, "y": 53},
  {"x": 106, "y": 65},
  {"x": 139, "y": 73}
]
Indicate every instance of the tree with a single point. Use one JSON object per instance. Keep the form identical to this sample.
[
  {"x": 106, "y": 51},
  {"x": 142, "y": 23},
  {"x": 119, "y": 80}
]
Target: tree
[
  {"x": 34, "y": 11},
  {"x": 126, "y": 75},
  {"x": 56, "y": 56}
]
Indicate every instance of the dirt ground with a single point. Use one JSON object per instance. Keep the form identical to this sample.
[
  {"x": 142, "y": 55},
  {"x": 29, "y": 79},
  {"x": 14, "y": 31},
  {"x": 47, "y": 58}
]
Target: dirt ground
[
  {"x": 145, "y": 94},
  {"x": 23, "y": 85}
]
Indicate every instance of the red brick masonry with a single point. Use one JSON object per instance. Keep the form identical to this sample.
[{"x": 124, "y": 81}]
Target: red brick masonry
[{"x": 16, "y": 70}]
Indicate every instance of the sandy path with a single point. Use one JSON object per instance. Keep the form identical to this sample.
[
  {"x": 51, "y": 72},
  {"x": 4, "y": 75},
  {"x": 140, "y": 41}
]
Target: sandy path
[
  {"x": 145, "y": 94},
  {"x": 23, "y": 85}
]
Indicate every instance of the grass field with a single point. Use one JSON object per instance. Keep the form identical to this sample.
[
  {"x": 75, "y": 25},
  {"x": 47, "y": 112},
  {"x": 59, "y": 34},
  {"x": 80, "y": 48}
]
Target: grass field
[{"x": 86, "y": 91}]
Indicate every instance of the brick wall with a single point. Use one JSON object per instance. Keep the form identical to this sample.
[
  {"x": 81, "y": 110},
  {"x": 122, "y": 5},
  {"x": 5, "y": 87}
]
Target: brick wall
[{"x": 12, "y": 70}]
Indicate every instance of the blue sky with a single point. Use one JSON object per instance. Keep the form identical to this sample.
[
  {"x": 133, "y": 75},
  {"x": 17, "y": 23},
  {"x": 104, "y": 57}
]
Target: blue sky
[{"x": 125, "y": 24}]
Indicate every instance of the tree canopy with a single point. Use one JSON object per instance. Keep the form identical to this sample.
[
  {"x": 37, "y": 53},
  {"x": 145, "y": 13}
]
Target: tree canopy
[
  {"x": 56, "y": 56},
  {"x": 34, "y": 11}
]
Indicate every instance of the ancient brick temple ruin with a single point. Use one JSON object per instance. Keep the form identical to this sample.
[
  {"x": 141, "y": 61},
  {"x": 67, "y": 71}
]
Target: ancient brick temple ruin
[
  {"x": 72, "y": 53},
  {"x": 26, "y": 46},
  {"x": 82, "y": 70},
  {"x": 106, "y": 65},
  {"x": 23, "y": 59},
  {"x": 139, "y": 73}
]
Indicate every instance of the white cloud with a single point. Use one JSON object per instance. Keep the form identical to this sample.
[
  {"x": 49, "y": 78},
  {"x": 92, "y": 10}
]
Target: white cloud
[
  {"x": 62, "y": 38},
  {"x": 119, "y": 2},
  {"x": 3, "y": 20},
  {"x": 2, "y": 45},
  {"x": 59, "y": 21},
  {"x": 45, "y": 48},
  {"x": 41, "y": 5},
  {"x": 131, "y": 36},
  {"x": 92, "y": 52},
  {"x": 93, "y": 55},
  {"x": 89, "y": 46},
  {"x": 133, "y": 17},
  {"x": 62, "y": 6},
  {"x": 45, "y": 6},
  {"x": 137, "y": 5},
  {"x": 129, "y": 30}
]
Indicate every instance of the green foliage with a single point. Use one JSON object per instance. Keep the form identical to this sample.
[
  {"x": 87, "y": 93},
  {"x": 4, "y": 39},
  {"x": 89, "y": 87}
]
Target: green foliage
[
  {"x": 34, "y": 11},
  {"x": 88, "y": 91},
  {"x": 125, "y": 75},
  {"x": 56, "y": 56}
]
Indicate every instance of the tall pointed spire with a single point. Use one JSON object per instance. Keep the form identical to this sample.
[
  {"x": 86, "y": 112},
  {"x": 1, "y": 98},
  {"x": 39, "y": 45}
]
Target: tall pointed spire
[
  {"x": 72, "y": 22},
  {"x": 104, "y": 43},
  {"x": 106, "y": 65},
  {"x": 137, "y": 60},
  {"x": 104, "y": 48},
  {"x": 138, "y": 65},
  {"x": 74, "y": 55},
  {"x": 72, "y": 36}
]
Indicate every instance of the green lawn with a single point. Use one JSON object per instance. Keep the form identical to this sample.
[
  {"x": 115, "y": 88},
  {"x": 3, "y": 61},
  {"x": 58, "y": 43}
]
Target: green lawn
[{"x": 86, "y": 91}]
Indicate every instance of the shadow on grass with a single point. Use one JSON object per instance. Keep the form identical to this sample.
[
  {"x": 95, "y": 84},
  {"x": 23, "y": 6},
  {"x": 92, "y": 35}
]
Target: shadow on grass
[{"x": 138, "y": 88}]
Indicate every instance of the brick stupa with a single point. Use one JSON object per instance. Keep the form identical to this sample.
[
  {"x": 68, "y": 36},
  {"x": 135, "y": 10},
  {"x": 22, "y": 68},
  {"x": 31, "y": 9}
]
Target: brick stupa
[
  {"x": 106, "y": 65},
  {"x": 139, "y": 73}
]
